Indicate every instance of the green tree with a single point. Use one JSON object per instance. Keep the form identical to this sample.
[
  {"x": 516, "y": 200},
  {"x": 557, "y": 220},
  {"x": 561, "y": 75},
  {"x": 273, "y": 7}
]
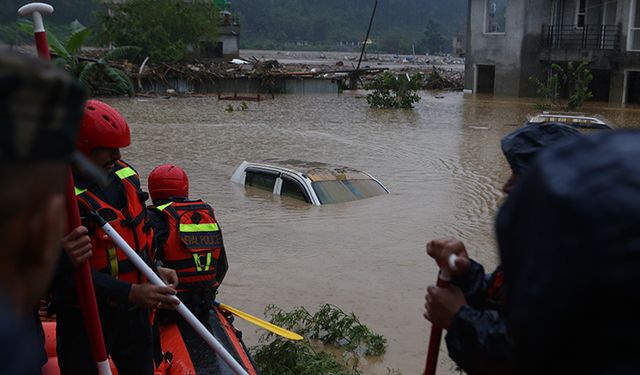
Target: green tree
[
  {"x": 547, "y": 91},
  {"x": 573, "y": 79},
  {"x": 432, "y": 41},
  {"x": 394, "y": 91},
  {"x": 163, "y": 28},
  {"x": 98, "y": 76},
  {"x": 576, "y": 78}
]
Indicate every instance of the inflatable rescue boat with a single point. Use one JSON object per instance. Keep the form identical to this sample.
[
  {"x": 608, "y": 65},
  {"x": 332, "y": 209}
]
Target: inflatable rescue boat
[{"x": 183, "y": 351}]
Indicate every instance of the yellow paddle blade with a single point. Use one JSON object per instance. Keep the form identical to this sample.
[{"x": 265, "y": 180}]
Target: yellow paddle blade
[{"x": 262, "y": 323}]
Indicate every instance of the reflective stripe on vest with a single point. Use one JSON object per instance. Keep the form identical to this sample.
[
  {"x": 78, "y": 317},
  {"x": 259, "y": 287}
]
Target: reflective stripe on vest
[
  {"x": 196, "y": 259},
  {"x": 191, "y": 228},
  {"x": 121, "y": 173},
  {"x": 194, "y": 243},
  {"x": 130, "y": 222},
  {"x": 125, "y": 172},
  {"x": 112, "y": 256},
  {"x": 163, "y": 206}
]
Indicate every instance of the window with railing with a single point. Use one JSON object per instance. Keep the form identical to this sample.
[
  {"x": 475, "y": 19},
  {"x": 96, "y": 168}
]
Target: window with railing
[
  {"x": 633, "y": 39},
  {"x": 581, "y": 13},
  {"x": 495, "y": 16},
  {"x": 587, "y": 37}
]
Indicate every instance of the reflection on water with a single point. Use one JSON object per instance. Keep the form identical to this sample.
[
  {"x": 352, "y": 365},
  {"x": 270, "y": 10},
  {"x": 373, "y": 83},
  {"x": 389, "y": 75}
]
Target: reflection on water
[{"x": 442, "y": 163}]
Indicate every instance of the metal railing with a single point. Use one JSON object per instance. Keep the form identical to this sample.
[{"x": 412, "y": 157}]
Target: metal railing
[{"x": 587, "y": 37}]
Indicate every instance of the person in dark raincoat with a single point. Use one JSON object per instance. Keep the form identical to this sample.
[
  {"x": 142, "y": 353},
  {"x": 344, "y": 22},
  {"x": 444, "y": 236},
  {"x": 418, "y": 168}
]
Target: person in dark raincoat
[
  {"x": 569, "y": 239},
  {"x": 472, "y": 309}
]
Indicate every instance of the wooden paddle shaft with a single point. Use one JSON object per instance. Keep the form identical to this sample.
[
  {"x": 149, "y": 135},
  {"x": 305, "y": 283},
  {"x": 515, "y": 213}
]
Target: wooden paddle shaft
[{"x": 436, "y": 332}]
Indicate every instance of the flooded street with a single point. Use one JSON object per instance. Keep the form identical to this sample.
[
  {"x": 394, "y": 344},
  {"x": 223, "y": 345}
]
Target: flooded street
[{"x": 442, "y": 163}]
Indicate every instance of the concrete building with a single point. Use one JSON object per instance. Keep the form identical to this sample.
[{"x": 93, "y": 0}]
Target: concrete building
[
  {"x": 227, "y": 46},
  {"x": 509, "y": 41}
]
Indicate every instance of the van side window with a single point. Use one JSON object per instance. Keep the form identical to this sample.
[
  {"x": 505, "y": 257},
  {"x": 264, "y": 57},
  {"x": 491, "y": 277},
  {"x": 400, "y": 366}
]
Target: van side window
[
  {"x": 260, "y": 180},
  {"x": 292, "y": 188}
]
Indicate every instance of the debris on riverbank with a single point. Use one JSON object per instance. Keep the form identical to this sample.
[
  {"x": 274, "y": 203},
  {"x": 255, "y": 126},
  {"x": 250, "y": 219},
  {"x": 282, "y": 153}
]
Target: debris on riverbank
[{"x": 267, "y": 71}]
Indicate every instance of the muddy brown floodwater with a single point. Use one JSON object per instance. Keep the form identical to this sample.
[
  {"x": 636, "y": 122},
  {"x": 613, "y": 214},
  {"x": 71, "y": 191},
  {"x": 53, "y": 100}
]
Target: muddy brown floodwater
[{"x": 441, "y": 161}]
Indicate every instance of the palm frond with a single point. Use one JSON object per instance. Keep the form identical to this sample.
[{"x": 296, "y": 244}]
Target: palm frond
[
  {"x": 54, "y": 44},
  {"x": 86, "y": 72},
  {"x": 25, "y": 26},
  {"x": 60, "y": 63},
  {"x": 77, "y": 39},
  {"x": 122, "y": 81},
  {"x": 76, "y": 26}
]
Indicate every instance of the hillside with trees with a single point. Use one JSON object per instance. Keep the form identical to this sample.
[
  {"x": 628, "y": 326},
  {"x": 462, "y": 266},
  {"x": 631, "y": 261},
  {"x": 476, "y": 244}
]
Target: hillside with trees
[{"x": 399, "y": 25}]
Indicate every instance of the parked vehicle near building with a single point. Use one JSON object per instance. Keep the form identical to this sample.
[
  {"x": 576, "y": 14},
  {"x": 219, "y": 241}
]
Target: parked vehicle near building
[{"x": 576, "y": 120}]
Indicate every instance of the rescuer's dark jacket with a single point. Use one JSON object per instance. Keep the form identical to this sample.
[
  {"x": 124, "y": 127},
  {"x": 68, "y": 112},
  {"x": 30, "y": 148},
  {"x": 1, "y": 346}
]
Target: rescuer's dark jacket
[
  {"x": 478, "y": 339},
  {"x": 569, "y": 239}
]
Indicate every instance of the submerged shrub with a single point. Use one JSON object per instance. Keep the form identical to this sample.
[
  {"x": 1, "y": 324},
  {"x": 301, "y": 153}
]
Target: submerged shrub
[
  {"x": 394, "y": 91},
  {"x": 329, "y": 326}
]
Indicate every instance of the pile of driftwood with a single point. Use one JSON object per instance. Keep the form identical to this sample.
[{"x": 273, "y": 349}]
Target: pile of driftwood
[
  {"x": 268, "y": 73},
  {"x": 200, "y": 71},
  {"x": 433, "y": 78},
  {"x": 439, "y": 79}
]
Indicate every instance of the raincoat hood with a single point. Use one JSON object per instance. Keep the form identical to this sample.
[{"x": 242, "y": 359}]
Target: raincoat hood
[
  {"x": 569, "y": 239},
  {"x": 521, "y": 146}
]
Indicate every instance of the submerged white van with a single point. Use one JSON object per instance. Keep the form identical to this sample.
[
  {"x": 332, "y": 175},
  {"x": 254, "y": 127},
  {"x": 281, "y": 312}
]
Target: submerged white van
[{"x": 314, "y": 183}]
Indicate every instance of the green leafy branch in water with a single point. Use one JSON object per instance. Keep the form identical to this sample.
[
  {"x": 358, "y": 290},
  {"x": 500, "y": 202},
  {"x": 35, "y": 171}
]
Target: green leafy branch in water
[
  {"x": 391, "y": 91},
  {"x": 573, "y": 79},
  {"x": 547, "y": 91},
  {"x": 242, "y": 107},
  {"x": 283, "y": 357},
  {"x": 330, "y": 326},
  {"x": 577, "y": 77}
]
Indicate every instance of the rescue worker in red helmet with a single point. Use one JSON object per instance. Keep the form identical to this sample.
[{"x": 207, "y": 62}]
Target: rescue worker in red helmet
[
  {"x": 189, "y": 238},
  {"x": 124, "y": 296}
]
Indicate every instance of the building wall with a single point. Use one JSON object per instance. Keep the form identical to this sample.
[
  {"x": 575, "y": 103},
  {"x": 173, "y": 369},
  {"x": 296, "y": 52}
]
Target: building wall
[
  {"x": 518, "y": 53},
  {"x": 536, "y": 14},
  {"x": 499, "y": 50},
  {"x": 514, "y": 53},
  {"x": 229, "y": 45},
  {"x": 627, "y": 60}
]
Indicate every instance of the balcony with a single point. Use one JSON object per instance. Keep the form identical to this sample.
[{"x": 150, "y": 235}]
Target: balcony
[{"x": 592, "y": 37}]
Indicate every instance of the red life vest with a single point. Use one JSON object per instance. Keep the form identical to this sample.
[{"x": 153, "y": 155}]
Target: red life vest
[
  {"x": 131, "y": 223},
  {"x": 194, "y": 244}
]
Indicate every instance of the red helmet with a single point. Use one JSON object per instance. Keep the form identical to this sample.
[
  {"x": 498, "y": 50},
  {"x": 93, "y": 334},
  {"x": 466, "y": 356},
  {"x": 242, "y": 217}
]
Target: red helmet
[
  {"x": 102, "y": 126},
  {"x": 167, "y": 181}
]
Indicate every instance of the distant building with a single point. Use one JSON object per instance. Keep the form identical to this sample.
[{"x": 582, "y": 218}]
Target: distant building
[
  {"x": 509, "y": 41},
  {"x": 227, "y": 46}
]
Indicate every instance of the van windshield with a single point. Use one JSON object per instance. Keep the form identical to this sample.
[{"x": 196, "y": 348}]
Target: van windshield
[{"x": 338, "y": 191}]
